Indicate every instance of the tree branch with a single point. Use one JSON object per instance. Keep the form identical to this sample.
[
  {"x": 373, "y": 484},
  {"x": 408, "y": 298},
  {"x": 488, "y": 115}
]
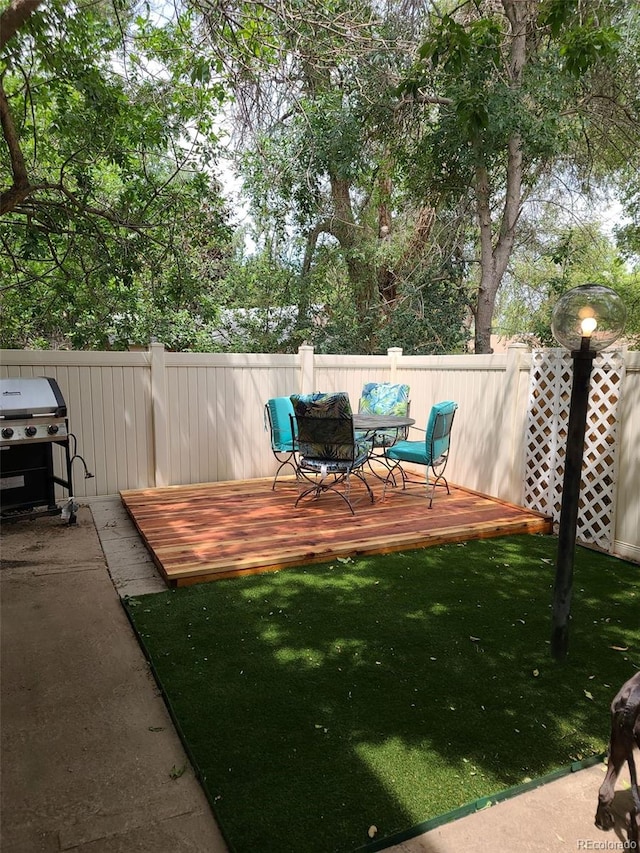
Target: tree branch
[
  {"x": 20, "y": 187},
  {"x": 323, "y": 227},
  {"x": 14, "y": 16}
]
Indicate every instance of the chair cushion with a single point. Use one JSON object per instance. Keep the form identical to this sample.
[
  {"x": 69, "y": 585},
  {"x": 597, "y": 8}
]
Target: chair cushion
[
  {"x": 322, "y": 405},
  {"x": 338, "y": 465},
  {"x": 384, "y": 398},
  {"x": 336, "y": 440},
  {"x": 409, "y": 451},
  {"x": 280, "y": 416},
  {"x": 440, "y": 443}
]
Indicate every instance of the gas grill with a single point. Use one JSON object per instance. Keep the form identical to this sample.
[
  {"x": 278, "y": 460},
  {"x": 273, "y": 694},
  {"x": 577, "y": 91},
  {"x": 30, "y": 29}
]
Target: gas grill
[{"x": 33, "y": 418}]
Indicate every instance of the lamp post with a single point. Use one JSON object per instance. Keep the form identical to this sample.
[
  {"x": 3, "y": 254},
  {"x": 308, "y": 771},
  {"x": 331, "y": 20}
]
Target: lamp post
[{"x": 585, "y": 320}]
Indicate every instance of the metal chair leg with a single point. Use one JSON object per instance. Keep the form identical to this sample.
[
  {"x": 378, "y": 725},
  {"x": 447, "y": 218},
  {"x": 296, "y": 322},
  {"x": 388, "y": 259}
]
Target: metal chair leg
[
  {"x": 282, "y": 465},
  {"x": 318, "y": 488}
]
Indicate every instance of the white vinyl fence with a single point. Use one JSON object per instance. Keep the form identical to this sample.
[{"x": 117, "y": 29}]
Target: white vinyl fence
[{"x": 155, "y": 418}]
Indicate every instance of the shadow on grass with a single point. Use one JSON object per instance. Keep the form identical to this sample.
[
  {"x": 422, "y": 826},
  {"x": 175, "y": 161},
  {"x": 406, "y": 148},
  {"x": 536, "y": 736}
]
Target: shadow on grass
[{"x": 318, "y": 702}]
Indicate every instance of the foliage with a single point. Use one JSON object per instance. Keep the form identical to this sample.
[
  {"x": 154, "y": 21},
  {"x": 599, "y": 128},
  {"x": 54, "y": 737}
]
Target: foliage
[
  {"x": 261, "y": 313},
  {"x": 628, "y": 232},
  {"x": 427, "y": 317},
  {"x": 555, "y": 259},
  {"x": 315, "y": 163},
  {"x": 341, "y": 140},
  {"x": 388, "y": 153},
  {"x": 516, "y": 90},
  {"x": 112, "y": 287},
  {"x": 123, "y": 233}
]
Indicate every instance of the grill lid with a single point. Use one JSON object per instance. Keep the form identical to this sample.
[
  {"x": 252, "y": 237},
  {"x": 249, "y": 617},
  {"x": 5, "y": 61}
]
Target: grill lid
[{"x": 20, "y": 398}]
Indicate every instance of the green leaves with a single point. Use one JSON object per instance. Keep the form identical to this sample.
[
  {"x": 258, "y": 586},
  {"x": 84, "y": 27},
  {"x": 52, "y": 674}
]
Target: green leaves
[
  {"x": 115, "y": 117},
  {"x": 472, "y": 111},
  {"x": 554, "y": 14},
  {"x": 583, "y": 47},
  {"x": 454, "y": 46},
  {"x": 584, "y": 37}
]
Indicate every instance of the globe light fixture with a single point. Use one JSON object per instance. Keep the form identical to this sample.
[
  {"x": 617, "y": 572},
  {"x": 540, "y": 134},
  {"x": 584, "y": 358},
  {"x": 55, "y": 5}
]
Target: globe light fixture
[
  {"x": 585, "y": 320},
  {"x": 591, "y": 311}
]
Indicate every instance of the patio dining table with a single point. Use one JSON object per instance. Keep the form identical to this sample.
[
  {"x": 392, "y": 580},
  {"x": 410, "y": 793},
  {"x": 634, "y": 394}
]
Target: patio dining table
[
  {"x": 373, "y": 423},
  {"x": 370, "y": 424}
]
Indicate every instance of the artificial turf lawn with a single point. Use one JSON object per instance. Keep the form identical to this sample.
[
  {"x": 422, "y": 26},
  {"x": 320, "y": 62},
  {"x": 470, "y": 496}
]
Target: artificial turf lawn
[{"x": 320, "y": 701}]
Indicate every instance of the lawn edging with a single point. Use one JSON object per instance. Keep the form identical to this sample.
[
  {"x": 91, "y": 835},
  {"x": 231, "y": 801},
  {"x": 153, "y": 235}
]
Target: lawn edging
[{"x": 477, "y": 805}]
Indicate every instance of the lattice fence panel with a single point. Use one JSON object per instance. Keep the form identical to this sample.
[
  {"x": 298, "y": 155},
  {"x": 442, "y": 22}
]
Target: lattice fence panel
[{"x": 547, "y": 421}]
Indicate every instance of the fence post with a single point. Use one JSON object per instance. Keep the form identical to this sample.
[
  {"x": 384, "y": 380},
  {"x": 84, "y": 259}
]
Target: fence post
[
  {"x": 306, "y": 354},
  {"x": 513, "y": 425},
  {"x": 160, "y": 435},
  {"x": 393, "y": 354}
]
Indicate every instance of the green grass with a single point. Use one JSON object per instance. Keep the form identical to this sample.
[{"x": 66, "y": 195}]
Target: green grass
[{"x": 319, "y": 701}]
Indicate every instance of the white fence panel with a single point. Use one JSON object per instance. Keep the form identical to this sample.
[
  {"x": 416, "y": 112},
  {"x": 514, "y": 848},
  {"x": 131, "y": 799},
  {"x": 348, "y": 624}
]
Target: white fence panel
[
  {"x": 628, "y": 496},
  {"x": 215, "y": 413},
  {"x": 477, "y": 384},
  {"x": 349, "y": 373},
  {"x": 109, "y": 407},
  {"x": 157, "y": 418}
]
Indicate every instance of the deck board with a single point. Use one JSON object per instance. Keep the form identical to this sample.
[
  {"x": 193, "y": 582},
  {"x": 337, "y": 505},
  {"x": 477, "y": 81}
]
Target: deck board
[{"x": 210, "y": 531}]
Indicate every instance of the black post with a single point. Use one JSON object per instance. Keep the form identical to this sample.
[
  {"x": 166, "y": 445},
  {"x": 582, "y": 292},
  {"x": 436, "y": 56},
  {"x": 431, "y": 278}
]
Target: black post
[{"x": 582, "y": 364}]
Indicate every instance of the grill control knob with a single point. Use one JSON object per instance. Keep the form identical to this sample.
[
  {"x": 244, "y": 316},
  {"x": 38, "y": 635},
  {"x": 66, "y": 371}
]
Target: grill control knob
[
  {"x": 30, "y": 430},
  {"x": 52, "y": 429},
  {"x": 7, "y": 432}
]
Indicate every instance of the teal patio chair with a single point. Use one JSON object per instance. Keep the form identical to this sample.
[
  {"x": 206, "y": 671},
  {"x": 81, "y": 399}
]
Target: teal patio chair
[
  {"x": 432, "y": 451},
  {"x": 279, "y": 419},
  {"x": 327, "y": 450}
]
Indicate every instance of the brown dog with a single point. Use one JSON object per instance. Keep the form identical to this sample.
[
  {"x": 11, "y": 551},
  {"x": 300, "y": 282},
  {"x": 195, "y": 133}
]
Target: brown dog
[{"x": 625, "y": 734}]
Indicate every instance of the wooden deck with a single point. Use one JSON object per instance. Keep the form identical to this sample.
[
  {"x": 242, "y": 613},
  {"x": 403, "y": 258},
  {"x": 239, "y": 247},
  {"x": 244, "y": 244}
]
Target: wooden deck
[{"x": 210, "y": 531}]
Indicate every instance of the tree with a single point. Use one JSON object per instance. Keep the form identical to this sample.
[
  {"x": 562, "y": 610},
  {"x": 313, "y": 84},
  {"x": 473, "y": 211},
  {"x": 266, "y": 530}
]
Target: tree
[
  {"x": 108, "y": 129},
  {"x": 514, "y": 89},
  {"x": 313, "y": 89},
  {"x": 556, "y": 257},
  {"x": 343, "y": 135},
  {"x": 389, "y": 153}
]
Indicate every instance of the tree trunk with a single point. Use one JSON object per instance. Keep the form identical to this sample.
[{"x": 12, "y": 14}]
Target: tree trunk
[
  {"x": 386, "y": 276},
  {"x": 494, "y": 255},
  {"x": 14, "y": 16},
  {"x": 489, "y": 284},
  {"x": 20, "y": 187},
  {"x": 353, "y": 239}
]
